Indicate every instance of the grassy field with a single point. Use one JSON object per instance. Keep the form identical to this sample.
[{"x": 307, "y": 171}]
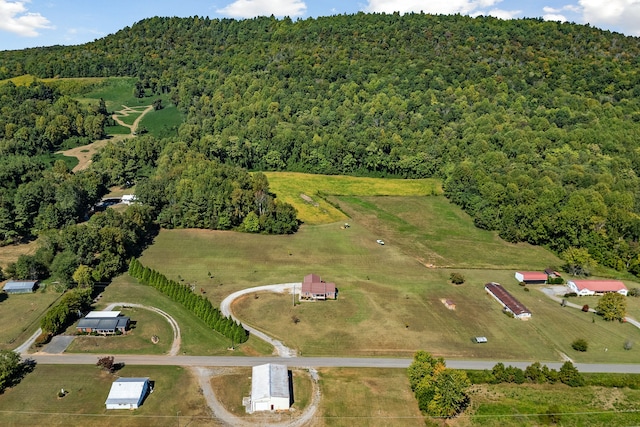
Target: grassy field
[
  {"x": 20, "y": 316},
  {"x": 145, "y": 324},
  {"x": 526, "y": 405},
  {"x": 307, "y": 192},
  {"x": 163, "y": 123},
  {"x": 34, "y": 401}
]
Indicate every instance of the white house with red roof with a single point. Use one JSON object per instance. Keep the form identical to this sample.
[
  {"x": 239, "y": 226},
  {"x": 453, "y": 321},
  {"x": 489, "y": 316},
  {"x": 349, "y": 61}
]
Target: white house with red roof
[
  {"x": 596, "y": 287},
  {"x": 531, "y": 277}
]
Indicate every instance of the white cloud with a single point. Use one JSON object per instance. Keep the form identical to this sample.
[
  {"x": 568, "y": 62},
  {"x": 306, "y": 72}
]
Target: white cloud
[
  {"x": 15, "y": 18},
  {"x": 432, "y": 6},
  {"x": 554, "y": 17},
  {"x": 504, "y": 14},
  {"x": 253, "y": 8},
  {"x": 621, "y": 14}
]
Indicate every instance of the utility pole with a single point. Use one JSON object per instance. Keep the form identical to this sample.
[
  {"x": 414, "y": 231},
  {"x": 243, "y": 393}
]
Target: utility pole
[{"x": 294, "y": 295}]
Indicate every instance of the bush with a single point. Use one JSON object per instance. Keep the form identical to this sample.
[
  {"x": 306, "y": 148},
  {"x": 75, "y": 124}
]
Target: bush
[
  {"x": 634, "y": 292},
  {"x": 628, "y": 345},
  {"x": 585, "y": 308},
  {"x": 580, "y": 345},
  {"x": 42, "y": 339},
  {"x": 456, "y": 278},
  {"x": 570, "y": 294}
]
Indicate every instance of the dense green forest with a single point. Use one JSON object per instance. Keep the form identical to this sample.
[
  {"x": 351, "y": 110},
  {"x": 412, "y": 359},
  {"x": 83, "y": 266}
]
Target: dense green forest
[{"x": 533, "y": 126}]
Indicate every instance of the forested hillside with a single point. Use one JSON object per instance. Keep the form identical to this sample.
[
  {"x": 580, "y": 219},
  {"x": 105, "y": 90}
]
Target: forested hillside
[{"x": 534, "y": 126}]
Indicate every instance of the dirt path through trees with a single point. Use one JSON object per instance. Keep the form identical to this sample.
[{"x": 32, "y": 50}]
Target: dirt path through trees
[{"x": 85, "y": 153}]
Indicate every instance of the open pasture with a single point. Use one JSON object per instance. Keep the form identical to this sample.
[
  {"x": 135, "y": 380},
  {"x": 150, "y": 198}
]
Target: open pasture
[
  {"x": 307, "y": 192},
  {"x": 389, "y": 302},
  {"x": 34, "y": 402}
]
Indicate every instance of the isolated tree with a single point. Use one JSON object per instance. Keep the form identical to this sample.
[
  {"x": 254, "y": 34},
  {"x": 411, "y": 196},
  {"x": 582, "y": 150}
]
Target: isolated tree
[
  {"x": 580, "y": 345},
  {"x": 612, "y": 306},
  {"x": 456, "y": 278},
  {"x": 570, "y": 376},
  {"x": 106, "y": 363},
  {"x": 450, "y": 393},
  {"x": 10, "y": 367}
]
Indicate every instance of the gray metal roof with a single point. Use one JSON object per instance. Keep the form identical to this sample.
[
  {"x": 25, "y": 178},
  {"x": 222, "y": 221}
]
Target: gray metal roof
[
  {"x": 108, "y": 324},
  {"x": 20, "y": 285},
  {"x": 270, "y": 380}
]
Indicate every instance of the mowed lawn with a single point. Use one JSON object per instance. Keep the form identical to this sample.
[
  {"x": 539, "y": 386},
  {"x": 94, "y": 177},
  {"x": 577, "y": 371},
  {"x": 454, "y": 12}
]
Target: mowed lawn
[
  {"x": 34, "y": 402},
  {"x": 20, "y": 314}
]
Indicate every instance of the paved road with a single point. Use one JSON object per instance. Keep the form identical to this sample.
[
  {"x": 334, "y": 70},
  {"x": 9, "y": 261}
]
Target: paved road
[{"x": 308, "y": 362}]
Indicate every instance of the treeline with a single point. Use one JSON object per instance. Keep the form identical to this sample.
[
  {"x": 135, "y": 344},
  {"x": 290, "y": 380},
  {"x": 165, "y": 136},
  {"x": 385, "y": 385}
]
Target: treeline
[
  {"x": 535, "y": 373},
  {"x": 197, "y": 304},
  {"x": 533, "y": 126},
  {"x": 71, "y": 306}
]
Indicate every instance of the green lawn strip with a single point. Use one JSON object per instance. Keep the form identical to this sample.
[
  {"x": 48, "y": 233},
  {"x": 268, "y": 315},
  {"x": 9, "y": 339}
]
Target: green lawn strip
[
  {"x": 197, "y": 339},
  {"x": 21, "y": 316},
  {"x": 526, "y": 404},
  {"x": 117, "y": 130},
  {"x": 137, "y": 340},
  {"x": 34, "y": 401},
  {"x": 163, "y": 122}
]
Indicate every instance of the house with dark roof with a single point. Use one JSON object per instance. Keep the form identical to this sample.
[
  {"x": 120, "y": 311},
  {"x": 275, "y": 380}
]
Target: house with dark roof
[
  {"x": 314, "y": 288},
  {"x": 531, "y": 277},
  {"x": 103, "y": 322},
  {"x": 20, "y": 286},
  {"x": 596, "y": 287},
  {"x": 509, "y": 303}
]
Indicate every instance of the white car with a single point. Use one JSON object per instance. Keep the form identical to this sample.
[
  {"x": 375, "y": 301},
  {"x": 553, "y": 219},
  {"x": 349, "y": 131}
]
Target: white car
[{"x": 380, "y": 242}]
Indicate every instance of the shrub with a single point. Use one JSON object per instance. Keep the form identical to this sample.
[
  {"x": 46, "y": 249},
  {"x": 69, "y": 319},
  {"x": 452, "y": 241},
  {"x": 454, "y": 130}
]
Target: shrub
[
  {"x": 570, "y": 294},
  {"x": 580, "y": 345},
  {"x": 42, "y": 339},
  {"x": 585, "y": 308},
  {"x": 456, "y": 278},
  {"x": 628, "y": 345},
  {"x": 634, "y": 292}
]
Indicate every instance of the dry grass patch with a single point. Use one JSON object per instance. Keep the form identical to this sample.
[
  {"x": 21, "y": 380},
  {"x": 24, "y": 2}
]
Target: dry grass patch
[
  {"x": 11, "y": 253},
  {"x": 306, "y": 192},
  {"x": 367, "y": 397}
]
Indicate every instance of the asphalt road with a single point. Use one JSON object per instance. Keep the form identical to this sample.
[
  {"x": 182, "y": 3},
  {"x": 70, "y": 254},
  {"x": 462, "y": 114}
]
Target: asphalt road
[{"x": 307, "y": 362}]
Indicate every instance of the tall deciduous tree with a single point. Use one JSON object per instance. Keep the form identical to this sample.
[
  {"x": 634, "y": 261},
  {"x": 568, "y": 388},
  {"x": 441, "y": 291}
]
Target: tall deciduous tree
[{"x": 612, "y": 306}]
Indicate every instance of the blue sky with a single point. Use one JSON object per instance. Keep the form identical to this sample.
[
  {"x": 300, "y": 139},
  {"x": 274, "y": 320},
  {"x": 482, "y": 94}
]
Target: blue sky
[{"x": 31, "y": 23}]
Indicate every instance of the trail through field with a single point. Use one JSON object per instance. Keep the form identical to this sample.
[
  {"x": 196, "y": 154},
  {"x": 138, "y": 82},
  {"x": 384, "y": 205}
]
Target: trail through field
[{"x": 85, "y": 153}]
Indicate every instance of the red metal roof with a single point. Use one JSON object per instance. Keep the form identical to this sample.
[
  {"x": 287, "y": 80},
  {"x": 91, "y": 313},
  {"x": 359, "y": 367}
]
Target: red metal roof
[
  {"x": 600, "y": 285},
  {"x": 507, "y": 299},
  {"x": 314, "y": 285},
  {"x": 533, "y": 275}
]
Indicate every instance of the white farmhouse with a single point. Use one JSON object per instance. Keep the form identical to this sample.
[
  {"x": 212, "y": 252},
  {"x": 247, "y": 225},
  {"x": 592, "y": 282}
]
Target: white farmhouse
[
  {"x": 270, "y": 388},
  {"x": 596, "y": 287},
  {"x": 127, "y": 393}
]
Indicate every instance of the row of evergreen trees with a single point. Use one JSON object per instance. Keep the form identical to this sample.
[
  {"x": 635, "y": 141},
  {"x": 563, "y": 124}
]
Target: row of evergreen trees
[{"x": 197, "y": 304}]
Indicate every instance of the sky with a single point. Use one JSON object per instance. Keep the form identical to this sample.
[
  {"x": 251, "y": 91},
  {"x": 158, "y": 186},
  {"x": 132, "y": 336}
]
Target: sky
[{"x": 34, "y": 23}]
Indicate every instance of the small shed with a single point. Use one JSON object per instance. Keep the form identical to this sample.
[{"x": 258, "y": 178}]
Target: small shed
[
  {"x": 270, "y": 388},
  {"x": 448, "y": 303},
  {"x": 20, "y": 286},
  {"x": 128, "y": 393},
  {"x": 531, "y": 277}
]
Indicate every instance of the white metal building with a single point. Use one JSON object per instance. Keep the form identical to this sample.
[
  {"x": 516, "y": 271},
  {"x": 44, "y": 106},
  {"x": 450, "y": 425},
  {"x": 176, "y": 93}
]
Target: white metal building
[
  {"x": 127, "y": 393},
  {"x": 270, "y": 388},
  {"x": 20, "y": 286}
]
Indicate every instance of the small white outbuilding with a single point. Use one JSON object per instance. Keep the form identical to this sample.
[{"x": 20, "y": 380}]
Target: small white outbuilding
[
  {"x": 127, "y": 393},
  {"x": 270, "y": 388}
]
